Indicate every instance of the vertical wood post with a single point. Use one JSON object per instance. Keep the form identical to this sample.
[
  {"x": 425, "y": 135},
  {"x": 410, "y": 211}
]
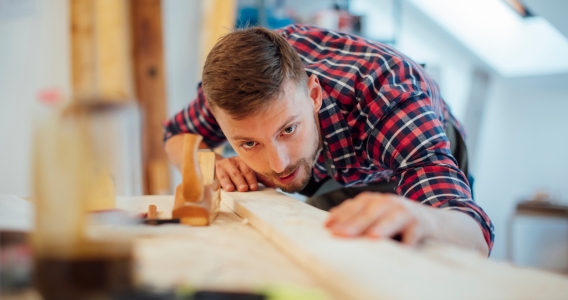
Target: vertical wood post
[
  {"x": 100, "y": 50},
  {"x": 149, "y": 74}
]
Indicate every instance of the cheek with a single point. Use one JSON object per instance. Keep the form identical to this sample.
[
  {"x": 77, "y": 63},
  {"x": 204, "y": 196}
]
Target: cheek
[
  {"x": 301, "y": 146},
  {"x": 251, "y": 159}
]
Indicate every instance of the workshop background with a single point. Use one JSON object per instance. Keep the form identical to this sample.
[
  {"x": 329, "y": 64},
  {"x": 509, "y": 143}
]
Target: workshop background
[{"x": 502, "y": 69}]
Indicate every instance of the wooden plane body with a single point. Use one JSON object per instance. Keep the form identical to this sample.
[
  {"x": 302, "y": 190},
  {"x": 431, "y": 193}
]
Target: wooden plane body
[{"x": 197, "y": 198}]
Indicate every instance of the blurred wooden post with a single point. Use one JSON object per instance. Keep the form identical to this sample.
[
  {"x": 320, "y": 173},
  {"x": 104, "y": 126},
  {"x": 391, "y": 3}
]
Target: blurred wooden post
[
  {"x": 100, "y": 49},
  {"x": 149, "y": 78},
  {"x": 218, "y": 19}
]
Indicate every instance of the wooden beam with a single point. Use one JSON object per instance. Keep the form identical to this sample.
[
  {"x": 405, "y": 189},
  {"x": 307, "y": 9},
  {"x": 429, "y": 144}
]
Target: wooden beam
[
  {"x": 383, "y": 269},
  {"x": 150, "y": 90},
  {"x": 100, "y": 50},
  {"x": 218, "y": 19}
]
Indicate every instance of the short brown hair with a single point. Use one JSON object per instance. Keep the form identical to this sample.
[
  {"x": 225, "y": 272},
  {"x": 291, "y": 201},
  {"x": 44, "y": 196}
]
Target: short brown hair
[{"x": 246, "y": 69}]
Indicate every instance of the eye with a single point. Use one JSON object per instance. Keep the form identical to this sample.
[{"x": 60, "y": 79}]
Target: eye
[
  {"x": 290, "y": 129},
  {"x": 248, "y": 145}
]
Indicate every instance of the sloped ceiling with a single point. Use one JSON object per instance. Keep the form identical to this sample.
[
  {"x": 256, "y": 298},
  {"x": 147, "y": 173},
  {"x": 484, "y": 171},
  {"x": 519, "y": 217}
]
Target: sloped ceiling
[
  {"x": 513, "y": 46},
  {"x": 555, "y": 11}
]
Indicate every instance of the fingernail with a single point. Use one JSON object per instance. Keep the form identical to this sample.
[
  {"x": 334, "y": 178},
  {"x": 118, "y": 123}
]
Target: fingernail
[
  {"x": 243, "y": 187},
  {"x": 349, "y": 231},
  {"x": 374, "y": 235},
  {"x": 338, "y": 229},
  {"x": 253, "y": 186},
  {"x": 228, "y": 187}
]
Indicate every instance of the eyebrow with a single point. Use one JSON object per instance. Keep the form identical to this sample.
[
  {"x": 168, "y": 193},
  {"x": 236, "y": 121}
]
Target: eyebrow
[{"x": 290, "y": 119}]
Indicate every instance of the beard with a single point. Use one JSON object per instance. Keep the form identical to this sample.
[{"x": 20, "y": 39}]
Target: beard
[
  {"x": 303, "y": 164},
  {"x": 300, "y": 183}
]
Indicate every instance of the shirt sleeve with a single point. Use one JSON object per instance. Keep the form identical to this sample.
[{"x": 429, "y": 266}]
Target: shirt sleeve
[
  {"x": 410, "y": 140},
  {"x": 196, "y": 118}
]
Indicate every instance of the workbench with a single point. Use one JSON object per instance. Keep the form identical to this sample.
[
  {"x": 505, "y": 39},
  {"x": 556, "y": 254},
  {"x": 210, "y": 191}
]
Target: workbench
[
  {"x": 266, "y": 238},
  {"x": 227, "y": 255}
]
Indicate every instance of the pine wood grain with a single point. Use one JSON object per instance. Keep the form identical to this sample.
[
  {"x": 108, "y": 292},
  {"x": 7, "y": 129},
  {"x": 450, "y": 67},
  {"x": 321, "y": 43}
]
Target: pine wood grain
[
  {"x": 228, "y": 255},
  {"x": 369, "y": 269}
]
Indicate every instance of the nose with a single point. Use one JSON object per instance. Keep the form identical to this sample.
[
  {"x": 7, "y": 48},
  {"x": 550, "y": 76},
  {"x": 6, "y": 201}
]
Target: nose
[{"x": 278, "y": 158}]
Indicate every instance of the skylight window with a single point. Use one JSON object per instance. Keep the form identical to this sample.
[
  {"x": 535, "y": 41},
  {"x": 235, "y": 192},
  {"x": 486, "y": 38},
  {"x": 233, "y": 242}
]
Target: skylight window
[{"x": 512, "y": 45}]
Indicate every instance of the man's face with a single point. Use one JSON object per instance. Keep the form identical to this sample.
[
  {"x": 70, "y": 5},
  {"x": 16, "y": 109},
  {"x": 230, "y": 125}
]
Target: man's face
[{"x": 282, "y": 141}]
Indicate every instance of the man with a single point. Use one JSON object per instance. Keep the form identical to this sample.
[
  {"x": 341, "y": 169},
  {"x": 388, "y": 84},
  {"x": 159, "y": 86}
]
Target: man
[{"x": 303, "y": 104}]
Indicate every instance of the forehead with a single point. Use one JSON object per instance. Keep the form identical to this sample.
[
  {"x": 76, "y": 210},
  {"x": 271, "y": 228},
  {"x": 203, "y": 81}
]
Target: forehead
[{"x": 292, "y": 102}]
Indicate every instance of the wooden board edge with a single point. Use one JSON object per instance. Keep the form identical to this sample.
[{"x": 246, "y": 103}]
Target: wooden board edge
[
  {"x": 338, "y": 284},
  {"x": 270, "y": 212}
]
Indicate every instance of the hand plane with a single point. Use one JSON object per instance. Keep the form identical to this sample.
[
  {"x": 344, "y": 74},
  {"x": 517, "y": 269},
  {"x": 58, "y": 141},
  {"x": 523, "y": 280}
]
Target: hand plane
[{"x": 197, "y": 198}]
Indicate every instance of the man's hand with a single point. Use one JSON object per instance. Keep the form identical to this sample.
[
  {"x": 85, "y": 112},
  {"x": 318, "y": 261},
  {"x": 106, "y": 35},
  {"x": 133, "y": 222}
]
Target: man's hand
[
  {"x": 380, "y": 216},
  {"x": 385, "y": 216},
  {"x": 233, "y": 174}
]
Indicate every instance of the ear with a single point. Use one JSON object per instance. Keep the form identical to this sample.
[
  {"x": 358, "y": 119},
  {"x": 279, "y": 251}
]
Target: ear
[{"x": 315, "y": 92}]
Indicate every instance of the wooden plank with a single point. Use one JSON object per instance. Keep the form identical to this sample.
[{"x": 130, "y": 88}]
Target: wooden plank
[
  {"x": 100, "y": 50},
  {"x": 228, "y": 255},
  {"x": 369, "y": 269},
  {"x": 114, "y": 49},
  {"x": 150, "y": 90}
]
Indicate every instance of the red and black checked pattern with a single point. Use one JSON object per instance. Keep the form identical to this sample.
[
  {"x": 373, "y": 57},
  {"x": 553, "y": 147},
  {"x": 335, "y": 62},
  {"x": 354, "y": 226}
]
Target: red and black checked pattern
[
  {"x": 196, "y": 118},
  {"x": 382, "y": 118}
]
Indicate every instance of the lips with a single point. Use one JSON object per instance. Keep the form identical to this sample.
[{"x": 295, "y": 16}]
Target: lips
[{"x": 289, "y": 178}]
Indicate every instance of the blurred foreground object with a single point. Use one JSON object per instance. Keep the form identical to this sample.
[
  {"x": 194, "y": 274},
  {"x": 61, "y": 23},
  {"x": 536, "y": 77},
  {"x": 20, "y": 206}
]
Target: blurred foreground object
[
  {"x": 218, "y": 19},
  {"x": 72, "y": 159},
  {"x": 197, "y": 198},
  {"x": 101, "y": 51},
  {"x": 117, "y": 58}
]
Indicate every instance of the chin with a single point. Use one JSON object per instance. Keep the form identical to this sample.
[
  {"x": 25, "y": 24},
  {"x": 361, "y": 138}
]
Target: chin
[{"x": 296, "y": 186}]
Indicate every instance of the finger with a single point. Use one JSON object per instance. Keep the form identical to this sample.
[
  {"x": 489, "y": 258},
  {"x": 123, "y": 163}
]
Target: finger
[
  {"x": 224, "y": 179},
  {"x": 249, "y": 176},
  {"x": 350, "y": 207},
  {"x": 411, "y": 235},
  {"x": 344, "y": 211},
  {"x": 236, "y": 176},
  {"x": 395, "y": 221},
  {"x": 226, "y": 170},
  {"x": 360, "y": 222}
]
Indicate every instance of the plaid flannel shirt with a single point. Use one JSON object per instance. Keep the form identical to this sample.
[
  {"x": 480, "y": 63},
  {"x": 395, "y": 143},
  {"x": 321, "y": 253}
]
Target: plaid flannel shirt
[{"x": 382, "y": 118}]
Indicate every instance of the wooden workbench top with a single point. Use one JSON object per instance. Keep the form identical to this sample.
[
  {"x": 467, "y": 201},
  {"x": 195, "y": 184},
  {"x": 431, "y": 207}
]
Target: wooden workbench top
[
  {"x": 228, "y": 255},
  {"x": 265, "y": 238}
]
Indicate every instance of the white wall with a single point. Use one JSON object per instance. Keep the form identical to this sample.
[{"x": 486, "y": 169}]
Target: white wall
[
  {"x": 181, "y": 23},
  {"x": 34, "y": 51},
  {"x": 522, "y": 150}
]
